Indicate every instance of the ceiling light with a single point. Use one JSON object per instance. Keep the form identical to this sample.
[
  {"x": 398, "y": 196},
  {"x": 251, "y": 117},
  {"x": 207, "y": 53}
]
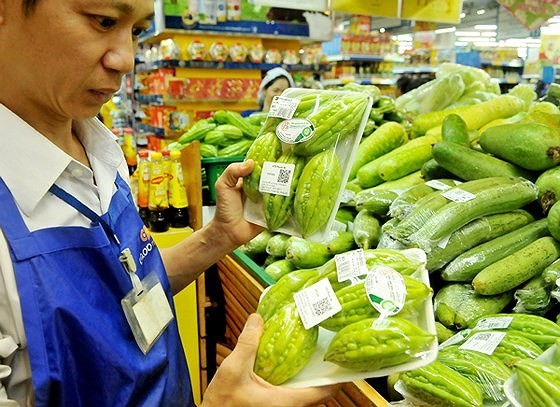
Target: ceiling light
[
  {"x": 382, "y": 30},
  {"x": 461, "y": 43},
  {"x": 445, "y": 30},
  {"x": 486, "y": 44},
  {"x": 467, "y": 33},
  {"x": 485, "y": 27},
  {"x": 462, "y": 15},
  {"x": 489, "y": 34},
  {"x": 480, "y": 12}
]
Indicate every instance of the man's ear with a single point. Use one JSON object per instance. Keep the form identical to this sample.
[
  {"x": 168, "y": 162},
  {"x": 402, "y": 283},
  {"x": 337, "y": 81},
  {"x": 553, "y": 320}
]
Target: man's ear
[{"x": 2, "y": 10}]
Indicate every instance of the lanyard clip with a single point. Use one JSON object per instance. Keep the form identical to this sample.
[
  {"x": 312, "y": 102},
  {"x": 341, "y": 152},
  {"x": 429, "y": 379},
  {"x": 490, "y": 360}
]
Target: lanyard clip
[
  {"x": 127, "y": 261},
  {"x": 129, "y": 266}
]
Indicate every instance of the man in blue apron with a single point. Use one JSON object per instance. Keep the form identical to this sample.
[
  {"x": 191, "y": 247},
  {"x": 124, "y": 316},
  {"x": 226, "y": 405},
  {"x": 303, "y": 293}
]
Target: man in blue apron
[{"x": 86, "y": 311}]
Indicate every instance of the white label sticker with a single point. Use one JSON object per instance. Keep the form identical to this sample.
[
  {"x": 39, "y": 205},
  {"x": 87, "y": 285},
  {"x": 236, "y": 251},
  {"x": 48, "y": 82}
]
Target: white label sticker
[
  {"x": 455, "y": 339},
  {"x": 283, "y": 107},
  {"x": 485, "y": 342},
  {"x": 458, "y": 195},
  {"x": 347, "y": 196},
  {"x": 293, "y": 131},
  {"x": 386, "y": 290},
  {"x": 350, "y": 264},
  {"x": 493, "y": 323},
  {"x": 316, "y": 303},
  {"x": 276, "y": 178},
  {"x": 434, "y": 183}
]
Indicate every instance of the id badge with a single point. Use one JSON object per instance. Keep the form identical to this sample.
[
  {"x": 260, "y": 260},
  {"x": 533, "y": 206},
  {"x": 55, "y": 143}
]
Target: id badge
[{"x": 148, "y": 312}]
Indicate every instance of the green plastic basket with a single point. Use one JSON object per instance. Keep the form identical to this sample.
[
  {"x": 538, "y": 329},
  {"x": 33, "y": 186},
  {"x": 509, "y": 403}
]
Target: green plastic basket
[{"x": 212, "y": 168}]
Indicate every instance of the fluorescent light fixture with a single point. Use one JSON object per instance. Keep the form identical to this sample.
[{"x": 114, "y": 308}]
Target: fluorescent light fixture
[
  {"x": 461, "y": 43},
  {"x": 445, "y": 30},
  {"x": 480, "y": 12},
  {"x": 489, "y": 34},
  {"x": 486, "y": 27},
  {"x": 467, "y": 33},
  {"x": 486, "y": 44},
  {"x": 474, "y": 39}
]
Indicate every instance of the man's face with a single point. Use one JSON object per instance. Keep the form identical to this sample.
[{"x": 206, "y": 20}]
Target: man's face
[{"x": 66, "y": 58}]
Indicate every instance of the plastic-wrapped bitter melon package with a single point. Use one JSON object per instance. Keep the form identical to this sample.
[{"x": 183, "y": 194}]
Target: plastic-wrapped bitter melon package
[{"x": 302, "y": 157}]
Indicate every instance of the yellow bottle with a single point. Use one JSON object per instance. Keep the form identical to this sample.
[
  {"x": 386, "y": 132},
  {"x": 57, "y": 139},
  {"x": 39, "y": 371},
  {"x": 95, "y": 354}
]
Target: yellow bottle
[{"x": 178, "y": 201}]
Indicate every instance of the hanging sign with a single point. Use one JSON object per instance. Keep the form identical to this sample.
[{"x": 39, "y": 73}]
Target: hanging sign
[
  {"x": 439, "y": 11},
  {"x": 383, "y": 8},
  {"x": 309, "y": 5},
  {"x": 550, "y": 49},
  {"x": 532, "y": 13}
]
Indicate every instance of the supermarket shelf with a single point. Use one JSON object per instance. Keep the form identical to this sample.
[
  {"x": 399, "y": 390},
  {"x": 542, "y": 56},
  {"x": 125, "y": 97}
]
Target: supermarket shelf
[
  {"x": 360, "y": 80},
  {"x": 355, "y": 58},
  {"x": 426, "y": 69},
  {"x": 264, "y": 29},
  {"x": 162, "y": 100},
  {"x": 179, "y": 63},
  {"x": 158, "y": 131},
  {"x": 502, "y": 65}
]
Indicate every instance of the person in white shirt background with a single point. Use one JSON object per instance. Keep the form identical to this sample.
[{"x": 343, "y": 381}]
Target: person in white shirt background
[{"x": 75, "y": 258}]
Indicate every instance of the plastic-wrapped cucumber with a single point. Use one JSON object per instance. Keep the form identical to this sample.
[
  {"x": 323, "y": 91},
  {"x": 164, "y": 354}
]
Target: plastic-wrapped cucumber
[
  {"x": 533, "y": 297},
  {"x": 457, "y": 305}
]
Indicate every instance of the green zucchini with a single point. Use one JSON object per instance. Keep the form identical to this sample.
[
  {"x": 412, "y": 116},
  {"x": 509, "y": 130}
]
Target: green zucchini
[
  {"x": 279, "y": 268},
  {"x": 515, "y": 269},
  {"x": 467, "y": 265},
  {"x": 548, "y": 184},
  {"x": 553, "y": 221},
  {"x": 457, "y": 305},
  {"x": 510, "y": 194},
  {"x": 532, "y": 146},
  {"x": 368, "y": 174},
  {"x": 375, "y": 200},
  {"x": 403, "y": 204},
  {"x": 386, "y": 138},
  {"x": 341, "y": 243},
  {"x": 474, "y": 233},
  {"x": 469, "y": 164},
  {"x": 404, "y": 162},
  {"x": 431, "y": 169},
  {"x": 366, "y": 230},
  {"x": 454, "y": 129},
  {"x": 427, "y": 206}
]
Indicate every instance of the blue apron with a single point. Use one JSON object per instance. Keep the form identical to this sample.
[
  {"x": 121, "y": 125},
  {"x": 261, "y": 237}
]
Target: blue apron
[{"x": 70, "y": 282}]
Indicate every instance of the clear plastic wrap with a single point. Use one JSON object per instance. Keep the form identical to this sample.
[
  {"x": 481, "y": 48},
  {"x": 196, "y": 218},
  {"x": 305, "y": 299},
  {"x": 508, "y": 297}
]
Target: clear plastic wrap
[
  {"x": 299, "y": 191},
  {"x": 419, "y": 312},
  {"x": 536, "y": 382},
  {"x": 533, "y": 297}
]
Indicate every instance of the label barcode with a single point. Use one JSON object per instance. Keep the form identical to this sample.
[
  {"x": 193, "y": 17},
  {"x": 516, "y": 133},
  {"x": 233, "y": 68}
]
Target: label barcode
[
  {"x": 322, "y": 306},
  {"x": 283, "y": 176}
]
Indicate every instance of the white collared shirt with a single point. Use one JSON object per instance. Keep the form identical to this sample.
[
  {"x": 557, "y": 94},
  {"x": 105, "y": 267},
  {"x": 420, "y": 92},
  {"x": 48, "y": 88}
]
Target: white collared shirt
[{"x": 30, "y": 164}]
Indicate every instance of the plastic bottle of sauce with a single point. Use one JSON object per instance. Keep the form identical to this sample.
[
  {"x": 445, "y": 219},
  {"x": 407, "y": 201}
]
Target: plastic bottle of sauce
[
  {"x": 158, "y": 202},
  {"x": 143, "y": 173},
  {"x": 129, "y": 149},
  {"x": 178, "y": 202}
]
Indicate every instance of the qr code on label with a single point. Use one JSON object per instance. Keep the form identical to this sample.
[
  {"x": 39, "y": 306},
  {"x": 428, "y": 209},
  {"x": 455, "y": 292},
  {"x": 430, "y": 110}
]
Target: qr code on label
[
  {"x": 322, "y": 306},
  {"x": 283, "y": 176}
]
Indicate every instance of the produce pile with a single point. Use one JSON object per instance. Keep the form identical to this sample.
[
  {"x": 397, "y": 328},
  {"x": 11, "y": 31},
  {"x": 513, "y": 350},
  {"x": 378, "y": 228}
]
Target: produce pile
[
  {"x": 471, "y": 177},
  {"x": 225, "y": 134}
]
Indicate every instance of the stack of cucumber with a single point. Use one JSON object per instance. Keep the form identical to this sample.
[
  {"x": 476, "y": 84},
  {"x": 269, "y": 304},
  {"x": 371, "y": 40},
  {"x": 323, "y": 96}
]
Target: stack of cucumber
[{"x": 476, "y": 187}]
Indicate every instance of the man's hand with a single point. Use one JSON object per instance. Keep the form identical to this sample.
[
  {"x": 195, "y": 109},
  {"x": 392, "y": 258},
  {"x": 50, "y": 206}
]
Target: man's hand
[
  {"x": 228, "y": 218},
  {"x": 236, "y": 385}
]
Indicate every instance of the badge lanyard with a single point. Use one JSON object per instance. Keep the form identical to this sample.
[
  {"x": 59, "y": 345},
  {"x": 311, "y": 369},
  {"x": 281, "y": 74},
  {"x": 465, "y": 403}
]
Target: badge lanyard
[
  {"x": 125, "y": 258},
  {"x": 146, "y": 307}
]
